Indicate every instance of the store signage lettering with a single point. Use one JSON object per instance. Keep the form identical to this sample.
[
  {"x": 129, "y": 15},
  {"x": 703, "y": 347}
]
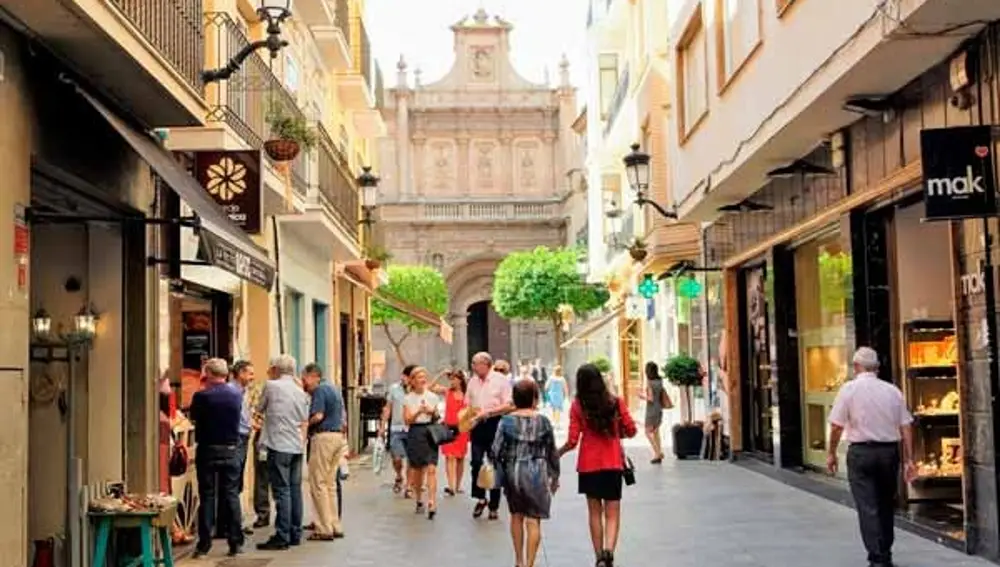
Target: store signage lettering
[
  {"x": 226, "y": 256},
  {"x": 974, "y": 283},
  {"x": 233, "y": 180},
  {"x": 959, "y": 178}
]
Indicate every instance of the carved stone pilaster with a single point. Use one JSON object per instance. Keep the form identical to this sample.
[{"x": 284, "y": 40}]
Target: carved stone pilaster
[
  {"x": 464, "y": 171},
  {"x": 506, "y": 177},
  {"x": 552, "y": 158},
  {"x": 419, "y": 143}
]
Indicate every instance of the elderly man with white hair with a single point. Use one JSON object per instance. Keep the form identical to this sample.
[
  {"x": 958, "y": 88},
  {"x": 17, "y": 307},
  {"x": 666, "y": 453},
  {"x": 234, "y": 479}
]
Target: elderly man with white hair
[
  {"x": 871, "y": 413},
  {"x": 285, "y": 406},
  {"x": 489, "y": 392},
  {"x": 215, "y": 411}
]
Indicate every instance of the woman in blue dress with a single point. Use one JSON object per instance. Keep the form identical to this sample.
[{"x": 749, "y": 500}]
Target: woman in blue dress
[
  {"x": 558, "y": 392},
  {"x": 527, "y": 465}
]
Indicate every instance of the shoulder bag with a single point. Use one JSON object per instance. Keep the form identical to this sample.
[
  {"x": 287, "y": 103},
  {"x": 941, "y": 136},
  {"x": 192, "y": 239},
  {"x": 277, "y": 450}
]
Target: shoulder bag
[
  {"x": 628, "y": 468},
  {"x": 665, "y": 400}
]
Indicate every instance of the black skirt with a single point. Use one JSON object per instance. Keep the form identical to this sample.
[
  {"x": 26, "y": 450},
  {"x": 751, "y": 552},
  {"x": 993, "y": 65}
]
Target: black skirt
[
  {"x": 420, "y": 448},
  {"x": 600, "y": 485}
]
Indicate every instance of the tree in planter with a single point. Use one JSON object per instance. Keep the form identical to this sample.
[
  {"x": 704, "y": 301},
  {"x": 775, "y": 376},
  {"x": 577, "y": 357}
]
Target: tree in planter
[
  {"x": 534, "y": 284},
  {"x": 421, "y": 286},
  {"x": 290, "y": 133},
  {"x": 684, "y": 372}
]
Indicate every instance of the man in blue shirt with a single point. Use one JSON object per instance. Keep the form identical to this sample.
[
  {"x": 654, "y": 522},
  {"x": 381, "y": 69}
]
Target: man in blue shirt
[
  {"x": 327, "y": 447},
  {"x": 216, "y": 411}
]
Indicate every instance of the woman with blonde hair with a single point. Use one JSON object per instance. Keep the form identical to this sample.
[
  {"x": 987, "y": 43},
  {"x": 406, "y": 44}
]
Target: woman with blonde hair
[
  {"x": 420, "y": 410},
  {"x": 557, "y": 391}
]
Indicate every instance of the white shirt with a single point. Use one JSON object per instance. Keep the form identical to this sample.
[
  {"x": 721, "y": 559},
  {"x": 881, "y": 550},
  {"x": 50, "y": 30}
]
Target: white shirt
[
  {"x": 413, "y": 401},
  {"x": 490, "y": 393},
  {"x": 870, "y": 410}
]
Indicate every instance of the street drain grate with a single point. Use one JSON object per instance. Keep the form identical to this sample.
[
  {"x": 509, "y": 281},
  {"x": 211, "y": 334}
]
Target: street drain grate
[{"x": 244, "y": 562}]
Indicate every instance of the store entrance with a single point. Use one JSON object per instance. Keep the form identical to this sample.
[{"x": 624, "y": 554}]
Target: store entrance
[{"x": 758, "y": 412}]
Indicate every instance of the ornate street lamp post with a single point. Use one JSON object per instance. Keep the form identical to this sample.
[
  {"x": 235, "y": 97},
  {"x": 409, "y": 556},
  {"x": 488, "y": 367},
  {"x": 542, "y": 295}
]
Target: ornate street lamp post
[
  {"x": 274, "y": 12},
  {"x": 637, "y": 170}
]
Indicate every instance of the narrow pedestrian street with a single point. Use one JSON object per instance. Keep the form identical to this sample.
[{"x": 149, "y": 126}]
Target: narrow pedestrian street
[{"x": 681, "y": 514}]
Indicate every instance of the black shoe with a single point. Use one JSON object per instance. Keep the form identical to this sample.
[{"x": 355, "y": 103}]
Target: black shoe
[
  {"x": 295, "y": 543},
  {"x": 272, "y": 545},
  {"x": 199, "y": 553},
  {"x": 235, "y": 550},
  {"x": 479, "y": 509},
  {"x": 261, "y": 523}
]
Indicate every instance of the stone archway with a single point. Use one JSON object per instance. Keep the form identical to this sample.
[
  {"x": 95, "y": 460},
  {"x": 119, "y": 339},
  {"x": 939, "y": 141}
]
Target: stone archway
[{"x": 477, "y": 325}]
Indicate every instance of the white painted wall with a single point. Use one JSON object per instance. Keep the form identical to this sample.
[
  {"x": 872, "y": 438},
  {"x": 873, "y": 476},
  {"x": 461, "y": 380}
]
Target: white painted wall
[{"x": 308, "y": 271}]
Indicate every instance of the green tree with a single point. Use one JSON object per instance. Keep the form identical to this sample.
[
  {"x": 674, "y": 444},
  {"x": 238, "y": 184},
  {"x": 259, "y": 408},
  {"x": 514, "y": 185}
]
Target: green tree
[
  {"x": 534, "y": 284},
  {"x": 420, "y": 286}
]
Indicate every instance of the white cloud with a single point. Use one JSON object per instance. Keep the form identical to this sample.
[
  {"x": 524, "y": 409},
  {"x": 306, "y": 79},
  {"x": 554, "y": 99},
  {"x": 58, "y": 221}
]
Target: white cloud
[{"x": 419, "y": 29}]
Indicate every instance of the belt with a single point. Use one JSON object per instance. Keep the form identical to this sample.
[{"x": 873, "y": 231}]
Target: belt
[
  {"x": 875, "y": 443},
  {"x": 329, "y": 431}
]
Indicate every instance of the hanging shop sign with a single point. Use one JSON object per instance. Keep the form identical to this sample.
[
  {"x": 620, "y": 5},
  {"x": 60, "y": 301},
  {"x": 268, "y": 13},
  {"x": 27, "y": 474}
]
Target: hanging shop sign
[
  {"x": 959, "y": 179},
  {"x": 233, "y": 180}
]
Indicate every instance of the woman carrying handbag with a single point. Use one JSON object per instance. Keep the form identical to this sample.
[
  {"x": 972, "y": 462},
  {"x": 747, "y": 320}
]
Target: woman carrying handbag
[{"x": 598, "y": 421}]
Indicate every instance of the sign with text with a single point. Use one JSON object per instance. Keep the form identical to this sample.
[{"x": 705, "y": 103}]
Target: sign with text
[
  {"x": 959, "y": 179},
  {"x": 233, "y": 179}
]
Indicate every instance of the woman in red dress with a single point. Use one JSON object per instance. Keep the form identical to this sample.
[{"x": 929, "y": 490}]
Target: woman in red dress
[{"x": 454, "y": 452}]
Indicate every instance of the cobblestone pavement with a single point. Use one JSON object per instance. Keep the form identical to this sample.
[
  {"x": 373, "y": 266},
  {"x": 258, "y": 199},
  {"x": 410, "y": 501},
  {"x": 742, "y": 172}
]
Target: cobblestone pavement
[{"x": 680, "y": 514}]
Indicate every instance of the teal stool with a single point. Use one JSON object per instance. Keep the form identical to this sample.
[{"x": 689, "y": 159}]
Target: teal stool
[{"x": 147, "y": 522}]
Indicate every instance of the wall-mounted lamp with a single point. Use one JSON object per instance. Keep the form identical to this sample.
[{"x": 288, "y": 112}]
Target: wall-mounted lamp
[
  {"x": 368, "y": 182},
  {"x": 41, "y": 324},
  {"x": 638, "y": 172},
  {"x": 274, "y": 12},
  {"x": 85, "y": 322}
]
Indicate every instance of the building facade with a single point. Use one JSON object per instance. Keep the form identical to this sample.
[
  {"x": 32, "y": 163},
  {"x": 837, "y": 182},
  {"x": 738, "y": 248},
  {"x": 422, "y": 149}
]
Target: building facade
[
  {"x": 810, "y": 174},
  {"x": 481, "y": 158},
  {"x": 108, "y": 143}
]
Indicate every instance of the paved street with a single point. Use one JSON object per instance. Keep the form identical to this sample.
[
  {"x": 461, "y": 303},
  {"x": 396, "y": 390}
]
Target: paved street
[{"x": 681, "y": 514}]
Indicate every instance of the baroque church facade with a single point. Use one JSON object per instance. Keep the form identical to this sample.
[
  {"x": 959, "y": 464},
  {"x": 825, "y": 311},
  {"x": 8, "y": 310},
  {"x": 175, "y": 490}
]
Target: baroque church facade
[{"x": 475, "y": 166}]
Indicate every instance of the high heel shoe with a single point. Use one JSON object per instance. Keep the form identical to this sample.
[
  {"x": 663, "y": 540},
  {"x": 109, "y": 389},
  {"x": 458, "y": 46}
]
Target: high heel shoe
[
  {"x": 431, "y": 511},
  {"x": 420, "y": 508}
]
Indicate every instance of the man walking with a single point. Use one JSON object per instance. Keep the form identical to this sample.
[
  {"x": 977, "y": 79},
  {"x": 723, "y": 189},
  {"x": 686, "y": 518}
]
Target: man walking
[
  {"x": 327, "y": 446},
  {"x": 286, "y": 410},
  {"x": 392, "y": 414},
  {"x": 490, "y": 393},
  {"x": 215, "y": 411},
  {"x": 874, "y": 416}
]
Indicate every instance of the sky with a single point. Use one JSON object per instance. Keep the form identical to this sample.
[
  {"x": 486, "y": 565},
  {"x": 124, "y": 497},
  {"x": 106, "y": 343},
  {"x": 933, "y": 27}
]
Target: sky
[{"x": 543, "y": 31}]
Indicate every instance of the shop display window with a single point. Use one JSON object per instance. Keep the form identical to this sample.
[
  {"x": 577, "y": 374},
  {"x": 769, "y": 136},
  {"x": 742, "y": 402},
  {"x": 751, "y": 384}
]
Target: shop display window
[{"x": 824, "y": 312}]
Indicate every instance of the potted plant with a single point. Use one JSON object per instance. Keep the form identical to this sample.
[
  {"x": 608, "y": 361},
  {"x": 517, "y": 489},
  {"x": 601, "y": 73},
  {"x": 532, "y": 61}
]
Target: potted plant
[
  {"x": 602, "y": 363},
  {"x": 375, "y": 256},
  {"x": 684, "y": 372},
  {"x": 637, "y": 250},
  {"x": 290, "y": 134}
]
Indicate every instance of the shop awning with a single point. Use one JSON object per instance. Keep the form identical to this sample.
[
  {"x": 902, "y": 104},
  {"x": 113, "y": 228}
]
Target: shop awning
[
  {"x": 225, "y": 245},
  {"x": 425, "y": 316},
  {"x": 594, "y": 326}
]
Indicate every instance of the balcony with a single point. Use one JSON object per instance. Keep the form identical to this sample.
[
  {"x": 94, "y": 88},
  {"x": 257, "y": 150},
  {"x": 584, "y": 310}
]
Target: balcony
[
  {"x": 338, "y": 193},
  {"x": 145, "y": 54},
  {"x": 472, "y": 212},
  {"x": 617, "y": 100},
  {"x": 333, "y": 35},
  {"x": 243, "y": 101},
  {"x": 355, "y": 86}
]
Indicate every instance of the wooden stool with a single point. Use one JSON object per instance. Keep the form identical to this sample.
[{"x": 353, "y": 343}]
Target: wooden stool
[{"x": 147, "y": 522}]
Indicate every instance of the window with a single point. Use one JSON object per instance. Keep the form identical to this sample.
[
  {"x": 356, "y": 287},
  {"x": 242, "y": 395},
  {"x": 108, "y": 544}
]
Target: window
[
  {"x": 607, "y": 64},
  {"x": 738, "y": 35},
  {"x": 321, "y": 333},
  {"x": 692, "y": 60}
]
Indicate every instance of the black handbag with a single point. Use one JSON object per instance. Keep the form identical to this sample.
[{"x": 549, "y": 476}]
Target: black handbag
[
  {"x": 628, "y": 469},
  {"x": 441, "y": 434}
]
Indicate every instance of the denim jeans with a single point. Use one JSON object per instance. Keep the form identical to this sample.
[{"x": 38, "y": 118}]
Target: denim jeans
[
  {"x": 261, "y": 487},
  {"x": 221, "y": 519},
  {"x": 284, "y": 472},
  {"x": 218, "y": 471}
]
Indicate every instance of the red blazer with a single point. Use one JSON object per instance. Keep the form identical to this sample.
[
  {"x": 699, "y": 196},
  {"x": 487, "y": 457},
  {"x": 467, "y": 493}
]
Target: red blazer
[{"x": 598, "y": 452}]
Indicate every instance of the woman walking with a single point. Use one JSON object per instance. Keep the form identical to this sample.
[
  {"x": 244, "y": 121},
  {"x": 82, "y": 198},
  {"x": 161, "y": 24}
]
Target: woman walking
[
  {"x": 558, "y": 391},
  {"x": 598, "y": 421},
  {"x": 528, "y": 465},
  {"x": 419, "y": 411},
  {"x": 454, "y": 452},
  {"x": 657, "y": 400}
]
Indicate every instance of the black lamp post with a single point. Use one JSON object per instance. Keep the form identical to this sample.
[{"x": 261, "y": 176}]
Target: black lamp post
[
  {"x": 637, "y": 171},
  {"x": 368, "y": 182},
  {"x": 274, "y": 12}
]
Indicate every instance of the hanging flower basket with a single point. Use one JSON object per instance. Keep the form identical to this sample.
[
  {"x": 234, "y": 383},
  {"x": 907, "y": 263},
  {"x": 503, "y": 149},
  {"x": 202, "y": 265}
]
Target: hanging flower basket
[
  {"x": 282, "y": 149},
  {"x": 373, "y": 264},
  {"x": 638, "y": 254}
]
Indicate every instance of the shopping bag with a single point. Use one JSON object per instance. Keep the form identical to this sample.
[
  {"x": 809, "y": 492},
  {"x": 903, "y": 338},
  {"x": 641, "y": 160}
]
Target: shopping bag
[
  {"x": 378, "y": 456},
  {"x": 487, "y": 478},
  {"x": 345, "y": 470}
]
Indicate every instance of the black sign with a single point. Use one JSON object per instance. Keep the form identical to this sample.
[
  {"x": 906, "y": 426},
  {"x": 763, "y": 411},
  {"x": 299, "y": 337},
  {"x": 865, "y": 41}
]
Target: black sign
[
  {"x": 959, "y": 180},
  {"x": 232, "y": 179},
  {"x": 223, "y": 254}
]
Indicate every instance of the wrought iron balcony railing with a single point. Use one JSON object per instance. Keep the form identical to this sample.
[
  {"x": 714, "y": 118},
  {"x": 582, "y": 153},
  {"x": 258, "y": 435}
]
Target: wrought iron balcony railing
[
  {"x": 617, "y": 100},
  {"x": 245, "y": 99},
  {"x": 173, "y": 28},
  {"x": 337, "y": 189}
]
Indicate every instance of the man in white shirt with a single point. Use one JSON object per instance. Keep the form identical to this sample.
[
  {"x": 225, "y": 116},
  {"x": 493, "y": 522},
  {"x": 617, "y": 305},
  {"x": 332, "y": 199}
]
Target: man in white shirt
[
  {"x": 490, "y": 393},
  {"x": 871, "y": 413}
]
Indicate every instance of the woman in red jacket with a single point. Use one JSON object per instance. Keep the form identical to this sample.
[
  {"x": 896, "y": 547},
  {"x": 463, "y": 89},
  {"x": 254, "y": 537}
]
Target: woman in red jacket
[{"x": 598, "y": 420}]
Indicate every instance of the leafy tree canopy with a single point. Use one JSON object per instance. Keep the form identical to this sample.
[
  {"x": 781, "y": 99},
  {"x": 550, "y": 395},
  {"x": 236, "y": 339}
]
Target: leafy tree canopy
[
  {"x": 421, "y": 286},
  {"x": 533, "y": 284}
]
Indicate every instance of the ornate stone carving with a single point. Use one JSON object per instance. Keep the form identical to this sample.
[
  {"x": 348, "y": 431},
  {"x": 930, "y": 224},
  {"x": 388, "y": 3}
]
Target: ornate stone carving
[
  {"x": 527, "y": 165},
  {"x": 482, "y": 63},
  {"x": 484, "y": 164},
  {"x": 443, "y": 168}
]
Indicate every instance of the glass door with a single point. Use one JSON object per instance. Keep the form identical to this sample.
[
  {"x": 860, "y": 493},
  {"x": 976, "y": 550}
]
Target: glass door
[{"x": 759, "y": 370}]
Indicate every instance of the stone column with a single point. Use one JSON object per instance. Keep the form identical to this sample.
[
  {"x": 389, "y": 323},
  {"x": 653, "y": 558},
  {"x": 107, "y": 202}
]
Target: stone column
[
  {"x": 460, "y": 346},
  {"x": 464, "y": 177},
  {"x": 550, "y": 177},
  {"x": 417, "y": 186}
]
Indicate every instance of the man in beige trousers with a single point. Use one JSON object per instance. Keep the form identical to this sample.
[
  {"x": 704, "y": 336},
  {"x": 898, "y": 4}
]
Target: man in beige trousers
[{"x": 327, "y": 447}]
